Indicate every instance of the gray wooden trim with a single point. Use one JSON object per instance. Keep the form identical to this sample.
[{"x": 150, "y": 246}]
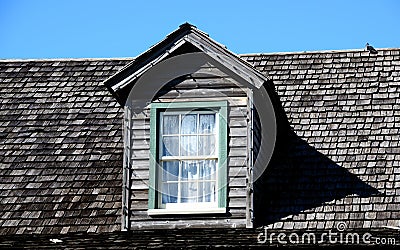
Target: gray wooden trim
[
  {"x": 223, "y": 155},
  {"x": 227, "y": 59},
  {"x": 249, "y": 172},
  {"x": 153, "y": 161},
  {"x": 161, "y": 55},
  {"x": 126, "y": 171}
]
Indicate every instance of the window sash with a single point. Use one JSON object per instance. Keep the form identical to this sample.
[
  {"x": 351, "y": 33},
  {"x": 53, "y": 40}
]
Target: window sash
[
  {"x": 165, "y": 197},
  {"x": 155, "y": 109},
  {"x": 204, "y": 184},
  {"x": 197, "y": 135}
]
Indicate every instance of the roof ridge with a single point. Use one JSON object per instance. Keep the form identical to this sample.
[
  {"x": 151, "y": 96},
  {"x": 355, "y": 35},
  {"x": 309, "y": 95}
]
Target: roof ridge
[
  {"x": 65, "y": 59},
  {"x": 240, "y": 55},
  {"x": 314, "y": 52}
]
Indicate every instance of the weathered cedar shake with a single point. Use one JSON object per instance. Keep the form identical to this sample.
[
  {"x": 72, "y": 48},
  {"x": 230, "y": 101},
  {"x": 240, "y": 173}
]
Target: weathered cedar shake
[
  {"x": 61, "y": 144},
  {"x": 60, "y": 147},
  {"x": 213, "y": 86}
]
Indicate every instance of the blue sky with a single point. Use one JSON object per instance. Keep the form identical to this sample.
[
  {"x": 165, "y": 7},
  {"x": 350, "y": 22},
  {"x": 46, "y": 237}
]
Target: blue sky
[{"x": 97, "y": 28}]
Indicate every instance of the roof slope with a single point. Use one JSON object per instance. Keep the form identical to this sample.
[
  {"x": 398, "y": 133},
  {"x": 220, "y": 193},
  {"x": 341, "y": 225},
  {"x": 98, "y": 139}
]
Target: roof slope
[
  {"x": 61, "y": 150},
  {"x": 60, "y": 147},
  {"x": 344, "y": 109}
]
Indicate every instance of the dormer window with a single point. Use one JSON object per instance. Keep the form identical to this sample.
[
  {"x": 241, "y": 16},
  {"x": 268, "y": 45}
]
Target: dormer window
[
  {"x": 188, "y": 144},
  {"x": 180, "y": 98},
  {"x": 188, "y": 157}
]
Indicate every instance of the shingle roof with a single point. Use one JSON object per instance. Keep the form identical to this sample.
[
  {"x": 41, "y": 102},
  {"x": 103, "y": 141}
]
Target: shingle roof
[
  {"x": 60, "y": 146},
  {"x": 61, "y": 150},
  {"x": 343, "y": 159}
]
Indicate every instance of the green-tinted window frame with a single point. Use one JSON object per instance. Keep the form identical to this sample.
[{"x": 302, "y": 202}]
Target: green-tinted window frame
[{"x": 222, "y": 107}]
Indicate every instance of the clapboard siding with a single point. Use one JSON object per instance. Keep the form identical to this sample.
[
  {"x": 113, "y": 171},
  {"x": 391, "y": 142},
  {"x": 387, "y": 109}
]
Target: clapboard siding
[
  {"x": 237, "y": 131},
  {"x": 197, "y": 93},
  {"x": 141, "y": 184},
  {"x": 240, "y": 171},
  {"x": 138, "y": 164},
  {"x": 237, "y": 152},
  {"x": 232, "y": 101},
  {"x": 209, "y": 84},
  {"x": 140, "y": 174},
  {"x": 237, "y": 141}
]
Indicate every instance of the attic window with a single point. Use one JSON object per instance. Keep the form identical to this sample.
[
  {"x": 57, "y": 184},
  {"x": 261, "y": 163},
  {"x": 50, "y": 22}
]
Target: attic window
[{"x": 188, "y": 147}]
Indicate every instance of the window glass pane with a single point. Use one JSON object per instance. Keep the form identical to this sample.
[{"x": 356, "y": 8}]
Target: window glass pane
[
  {"x": 189, "y": 145},
  {"x": 207, "y": 170},
  {"x": 189, "y": 124},
  {"x": 184, "y": 135},
  {"x": 170, "y": 146},
  {"x": 189, "y": 192},
  {"x": 207, "y": 191},
  {"x": 170, "y": 171},
  {"x": 189, "y": 170},
  {"x": 206, "y": 145},
  {"x": 170, "y": 124},
  {"x": 169, "y": 193},
  {"x": 206, "y": 124}
]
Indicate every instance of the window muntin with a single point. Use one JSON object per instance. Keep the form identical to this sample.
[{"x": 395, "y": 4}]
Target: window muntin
[{"x": 188, "y": 158}]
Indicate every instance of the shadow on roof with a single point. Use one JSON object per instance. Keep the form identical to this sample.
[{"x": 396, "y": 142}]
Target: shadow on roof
[{"x": 299, "y": 178}]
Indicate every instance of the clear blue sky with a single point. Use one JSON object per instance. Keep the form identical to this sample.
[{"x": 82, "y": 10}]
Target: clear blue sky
[{"x": 97, "y": 28}]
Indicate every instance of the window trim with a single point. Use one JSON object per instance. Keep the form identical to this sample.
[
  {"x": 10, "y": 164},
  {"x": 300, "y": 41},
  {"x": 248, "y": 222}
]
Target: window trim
[{"x": 155, "y": 109}]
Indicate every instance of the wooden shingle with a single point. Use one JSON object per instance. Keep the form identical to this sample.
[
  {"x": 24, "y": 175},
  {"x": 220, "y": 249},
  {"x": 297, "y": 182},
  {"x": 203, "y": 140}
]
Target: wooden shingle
[
  {"x": 61, "y": 143},
  {"x": 45, "y": 140}
]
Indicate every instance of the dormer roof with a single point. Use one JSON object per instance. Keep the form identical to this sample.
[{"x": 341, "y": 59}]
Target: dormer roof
[{"x": 187, "y": 38}]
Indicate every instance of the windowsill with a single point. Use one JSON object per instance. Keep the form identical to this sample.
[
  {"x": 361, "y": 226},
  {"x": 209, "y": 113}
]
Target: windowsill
[{"x": 186, "y": 211}]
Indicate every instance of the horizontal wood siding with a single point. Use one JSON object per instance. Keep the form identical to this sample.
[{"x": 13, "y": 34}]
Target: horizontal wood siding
[{"x": 201, "y": 87}]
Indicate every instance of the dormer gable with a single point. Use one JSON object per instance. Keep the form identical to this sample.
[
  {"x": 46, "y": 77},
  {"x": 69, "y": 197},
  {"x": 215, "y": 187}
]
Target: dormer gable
[{"x": 186, "y": 39}]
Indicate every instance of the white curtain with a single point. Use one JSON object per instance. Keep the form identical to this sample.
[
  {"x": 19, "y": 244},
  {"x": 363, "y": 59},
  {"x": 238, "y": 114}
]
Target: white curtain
[{"x": 188, "y": 181}]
